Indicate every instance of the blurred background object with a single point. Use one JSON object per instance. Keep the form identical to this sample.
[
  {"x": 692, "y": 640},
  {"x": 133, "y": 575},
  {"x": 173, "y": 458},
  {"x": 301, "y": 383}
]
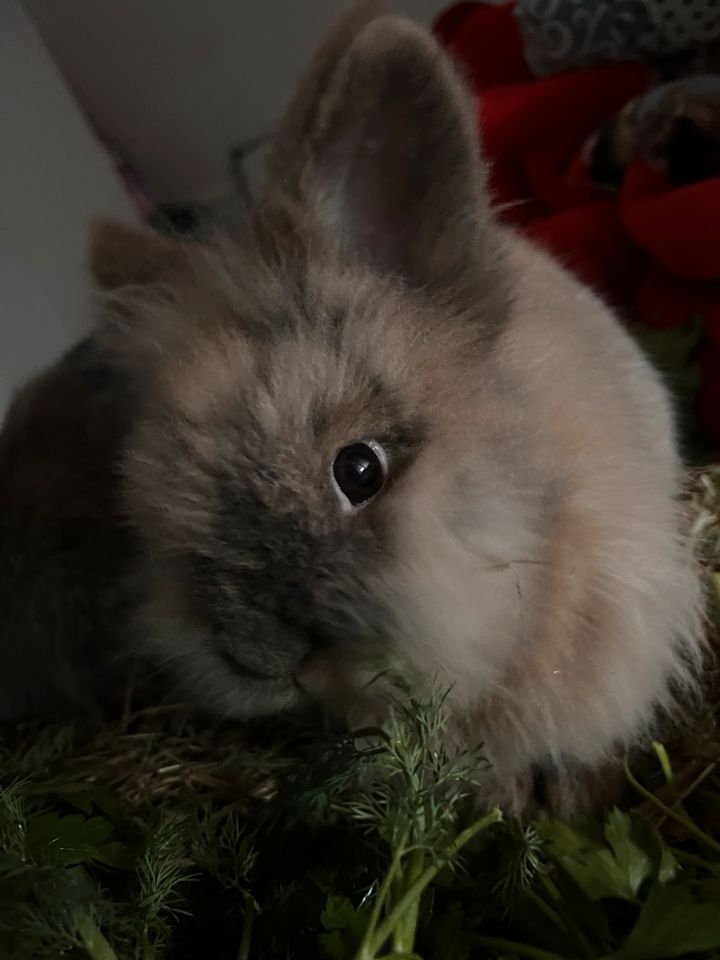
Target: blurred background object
[
  {"x": 176, "y": 86},
  {"x": 601, "y": 122}
]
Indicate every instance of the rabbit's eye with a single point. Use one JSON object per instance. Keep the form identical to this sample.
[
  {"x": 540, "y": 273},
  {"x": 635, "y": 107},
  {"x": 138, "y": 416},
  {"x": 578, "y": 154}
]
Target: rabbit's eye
[{"x": 359, "y": 471}]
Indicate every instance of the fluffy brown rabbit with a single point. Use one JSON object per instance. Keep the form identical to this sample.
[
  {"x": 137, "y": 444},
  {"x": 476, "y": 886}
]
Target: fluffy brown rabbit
[{"x": 387, "y": 425}]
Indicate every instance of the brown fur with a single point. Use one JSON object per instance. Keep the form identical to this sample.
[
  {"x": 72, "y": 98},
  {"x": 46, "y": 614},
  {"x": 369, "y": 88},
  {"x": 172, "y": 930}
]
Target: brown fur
[
  {"x": 122, "y": 256},
  {"x": 527, "y": 549}
]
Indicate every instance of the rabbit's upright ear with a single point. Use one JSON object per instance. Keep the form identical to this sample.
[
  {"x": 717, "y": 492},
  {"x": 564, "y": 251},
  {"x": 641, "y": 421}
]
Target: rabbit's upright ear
[{"x": 378, "y": 155}]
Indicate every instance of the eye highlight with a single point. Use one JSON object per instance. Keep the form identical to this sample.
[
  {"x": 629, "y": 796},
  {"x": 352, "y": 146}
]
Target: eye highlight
[{"x": 359, "y": 471}]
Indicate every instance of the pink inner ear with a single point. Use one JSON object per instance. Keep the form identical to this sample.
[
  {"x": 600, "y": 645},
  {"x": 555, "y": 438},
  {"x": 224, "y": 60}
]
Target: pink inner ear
[
  {"x": 379, "y": 154},
  {"x": 368, "y": 197},
  {"x": 395, "y": 157},
  {"x": 396, "y": 174}
]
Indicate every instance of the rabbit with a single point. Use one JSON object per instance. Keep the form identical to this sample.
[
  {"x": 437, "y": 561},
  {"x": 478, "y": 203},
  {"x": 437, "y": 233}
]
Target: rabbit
[
  {"x": 64, "y": 552},
  {"x": 384, "y": 427}
]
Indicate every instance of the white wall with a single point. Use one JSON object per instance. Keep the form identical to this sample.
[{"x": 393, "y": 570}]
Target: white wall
[
  {"x": 53, "y": 179},
  {"x": 177, "y": 83}
]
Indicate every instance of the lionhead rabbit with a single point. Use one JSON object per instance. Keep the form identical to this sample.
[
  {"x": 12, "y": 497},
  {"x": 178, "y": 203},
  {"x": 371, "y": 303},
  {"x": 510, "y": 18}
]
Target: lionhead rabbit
[{"x": 387, "y": 425}]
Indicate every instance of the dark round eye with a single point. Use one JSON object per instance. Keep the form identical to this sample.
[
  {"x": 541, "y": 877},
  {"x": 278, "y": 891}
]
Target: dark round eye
[{"x": 359, "y": 471}]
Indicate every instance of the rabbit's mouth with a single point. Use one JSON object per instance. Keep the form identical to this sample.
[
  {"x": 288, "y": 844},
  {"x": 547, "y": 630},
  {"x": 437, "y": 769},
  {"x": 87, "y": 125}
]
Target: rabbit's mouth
[
  {"x": 326, "y": 673},
  {"x": 244, "y": 670},
  {"x": 312, "y": 674}
]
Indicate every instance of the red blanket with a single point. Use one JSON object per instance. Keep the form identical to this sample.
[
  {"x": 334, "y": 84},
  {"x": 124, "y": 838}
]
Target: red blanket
[{"x": 652, "y": 250}]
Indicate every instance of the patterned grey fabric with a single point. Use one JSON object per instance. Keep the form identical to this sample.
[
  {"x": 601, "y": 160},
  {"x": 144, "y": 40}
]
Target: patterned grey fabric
[{"x": 565, "y": 34}]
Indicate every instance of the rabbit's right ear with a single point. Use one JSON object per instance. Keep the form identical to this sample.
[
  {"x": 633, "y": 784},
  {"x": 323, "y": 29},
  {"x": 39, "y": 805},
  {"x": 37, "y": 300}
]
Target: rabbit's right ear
[{"x": 377, "y": 160}]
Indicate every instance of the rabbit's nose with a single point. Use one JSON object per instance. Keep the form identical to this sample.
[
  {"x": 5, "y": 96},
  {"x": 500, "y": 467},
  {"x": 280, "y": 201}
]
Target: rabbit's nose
[{"x": 273, "y": 655}]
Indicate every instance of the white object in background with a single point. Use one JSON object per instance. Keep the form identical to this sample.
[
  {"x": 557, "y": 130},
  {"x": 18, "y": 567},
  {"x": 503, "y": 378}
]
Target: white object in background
[
  {"x": 175, "y": 85},
  {"x": 54, "y": 178}
]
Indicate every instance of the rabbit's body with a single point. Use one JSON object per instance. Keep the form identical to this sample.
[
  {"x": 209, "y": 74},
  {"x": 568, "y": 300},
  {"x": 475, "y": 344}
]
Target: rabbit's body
[
  {"x": 390, "y": 426},
  {"x": 64, "y": 551}
]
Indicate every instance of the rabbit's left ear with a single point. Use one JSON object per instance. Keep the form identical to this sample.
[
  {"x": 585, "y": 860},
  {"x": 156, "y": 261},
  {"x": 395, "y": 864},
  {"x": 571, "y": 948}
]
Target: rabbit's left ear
[
  {"x": 144, "y": 280},
  {"x": 379, "y": 154},
  {"x": 122, "y": 256}
]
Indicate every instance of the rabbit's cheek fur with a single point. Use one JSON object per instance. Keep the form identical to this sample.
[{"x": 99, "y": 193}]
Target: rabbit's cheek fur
[{"x": 468, "y": 543}]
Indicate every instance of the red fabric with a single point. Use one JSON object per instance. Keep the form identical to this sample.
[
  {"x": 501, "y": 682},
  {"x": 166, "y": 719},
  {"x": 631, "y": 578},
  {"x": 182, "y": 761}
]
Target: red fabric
[
  {"x": 654, "y": 250},
  {"x": 679, "y": 226},
  {"x": 486, "y": 40},
  {"x": 592, "y": 240}
]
